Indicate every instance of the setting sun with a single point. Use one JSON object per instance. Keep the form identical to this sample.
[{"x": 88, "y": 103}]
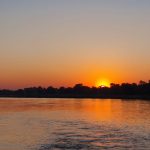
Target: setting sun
[{"x": 102, "y": 83}]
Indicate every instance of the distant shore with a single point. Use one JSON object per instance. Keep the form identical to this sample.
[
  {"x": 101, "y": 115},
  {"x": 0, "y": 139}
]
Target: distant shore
[{"x": 115, "y": 91}]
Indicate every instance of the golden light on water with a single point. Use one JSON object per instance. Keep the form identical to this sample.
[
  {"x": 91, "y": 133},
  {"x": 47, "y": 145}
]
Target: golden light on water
[{"x": 102, "y": 83}]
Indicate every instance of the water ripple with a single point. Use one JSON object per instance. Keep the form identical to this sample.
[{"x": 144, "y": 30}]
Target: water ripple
[{"x": 88, "y": 136}]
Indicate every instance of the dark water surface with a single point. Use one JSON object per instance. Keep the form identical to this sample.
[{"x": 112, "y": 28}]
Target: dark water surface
[{"x": 45, "y": 124}]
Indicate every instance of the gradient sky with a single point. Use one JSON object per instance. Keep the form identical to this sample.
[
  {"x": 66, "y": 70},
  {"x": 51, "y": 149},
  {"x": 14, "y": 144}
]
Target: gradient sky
[{"x": 63, "y": 42}]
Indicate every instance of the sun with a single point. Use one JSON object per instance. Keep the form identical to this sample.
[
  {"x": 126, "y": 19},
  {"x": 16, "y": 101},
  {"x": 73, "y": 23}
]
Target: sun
[{"x": 102, "y": 83}]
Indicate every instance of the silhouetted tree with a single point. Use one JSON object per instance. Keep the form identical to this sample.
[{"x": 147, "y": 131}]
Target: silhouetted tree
[{"x": 125, "y": 90}]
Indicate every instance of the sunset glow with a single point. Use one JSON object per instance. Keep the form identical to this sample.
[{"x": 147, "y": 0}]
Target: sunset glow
[
  {"x": 63, "y": 43},
  {"x": 102, "y": 83}
]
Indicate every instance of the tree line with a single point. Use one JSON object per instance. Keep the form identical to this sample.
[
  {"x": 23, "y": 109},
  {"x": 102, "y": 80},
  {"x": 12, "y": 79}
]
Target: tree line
[{"x": 124, "y": 90}]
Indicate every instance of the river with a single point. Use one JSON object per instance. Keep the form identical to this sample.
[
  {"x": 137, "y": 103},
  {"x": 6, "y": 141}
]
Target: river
[{"x": 53, "y": 124}]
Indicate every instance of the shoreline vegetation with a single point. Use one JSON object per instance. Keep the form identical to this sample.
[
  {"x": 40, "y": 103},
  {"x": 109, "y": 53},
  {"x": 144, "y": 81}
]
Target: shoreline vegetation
[{"x": 115, "y": 91}]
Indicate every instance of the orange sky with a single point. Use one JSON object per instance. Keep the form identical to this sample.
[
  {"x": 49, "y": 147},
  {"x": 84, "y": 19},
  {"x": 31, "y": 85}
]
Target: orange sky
[{"x": 68, "y": 42}]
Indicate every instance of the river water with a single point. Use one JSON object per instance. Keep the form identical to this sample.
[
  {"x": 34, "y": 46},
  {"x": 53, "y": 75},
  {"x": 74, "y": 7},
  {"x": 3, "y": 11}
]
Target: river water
[{"x": 53, "y": 124}]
